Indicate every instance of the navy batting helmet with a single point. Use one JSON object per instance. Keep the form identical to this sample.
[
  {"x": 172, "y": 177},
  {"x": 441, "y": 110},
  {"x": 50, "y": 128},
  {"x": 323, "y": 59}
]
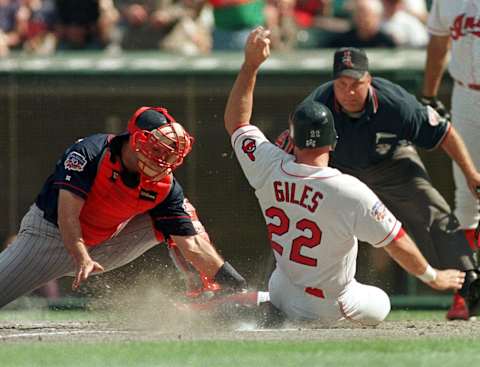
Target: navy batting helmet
[{"x": 312, "y": 126}]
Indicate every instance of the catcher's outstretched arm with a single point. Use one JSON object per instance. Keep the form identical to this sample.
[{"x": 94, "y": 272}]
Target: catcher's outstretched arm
[{"x": 69, "y": 207}]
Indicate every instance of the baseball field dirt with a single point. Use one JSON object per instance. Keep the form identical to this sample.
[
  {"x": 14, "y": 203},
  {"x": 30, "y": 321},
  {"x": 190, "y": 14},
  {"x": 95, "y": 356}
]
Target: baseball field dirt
[{"x": 16, "y": 331}]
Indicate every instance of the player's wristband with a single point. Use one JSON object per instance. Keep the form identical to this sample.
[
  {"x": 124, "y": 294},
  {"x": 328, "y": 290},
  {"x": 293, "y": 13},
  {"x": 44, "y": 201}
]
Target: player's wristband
[
  {"x": 429, "y": 276},
  {"x": 229, "y": 278}
]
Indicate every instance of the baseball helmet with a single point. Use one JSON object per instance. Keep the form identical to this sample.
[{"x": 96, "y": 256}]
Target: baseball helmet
[
  {"x": 160, "y": 142},
  {"x": 312, "y": 126}
]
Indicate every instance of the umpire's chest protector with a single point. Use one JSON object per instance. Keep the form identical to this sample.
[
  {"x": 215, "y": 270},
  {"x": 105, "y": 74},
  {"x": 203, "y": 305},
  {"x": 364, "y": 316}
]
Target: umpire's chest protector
[{"x": 111, "y": 204}]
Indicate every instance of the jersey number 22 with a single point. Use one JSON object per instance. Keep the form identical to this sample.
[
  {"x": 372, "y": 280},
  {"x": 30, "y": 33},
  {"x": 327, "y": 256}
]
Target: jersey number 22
[{"x": 302, "y": 241}]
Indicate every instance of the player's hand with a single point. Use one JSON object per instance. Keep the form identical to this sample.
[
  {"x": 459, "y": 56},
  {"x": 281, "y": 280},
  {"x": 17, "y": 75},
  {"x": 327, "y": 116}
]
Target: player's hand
[
  {"x": 448, "y": 279},
  {"x": 84, "y": 269},
  {"x": 230, "y": 279},
  {"x": 436, "y": 105},
  {"x": 474, "y": 184},
  {"x": 257, "y": 47}
]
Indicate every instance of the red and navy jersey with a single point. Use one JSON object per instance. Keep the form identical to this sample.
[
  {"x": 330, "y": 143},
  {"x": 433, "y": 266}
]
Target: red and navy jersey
[
  {"x": 392, "y": 118},
  {"x": 92, "y": 169}
]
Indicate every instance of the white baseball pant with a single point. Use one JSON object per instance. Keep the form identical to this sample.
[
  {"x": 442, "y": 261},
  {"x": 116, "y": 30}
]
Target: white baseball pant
[
  {"x": 466, "y": 119},
  {"x": 360, "y": 303}
]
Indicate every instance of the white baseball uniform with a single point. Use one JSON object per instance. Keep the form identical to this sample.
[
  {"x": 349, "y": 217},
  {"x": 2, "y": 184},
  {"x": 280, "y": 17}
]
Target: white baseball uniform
[
  {"x": 314, "y": 216},
  {"x": 460, "y": 19}
]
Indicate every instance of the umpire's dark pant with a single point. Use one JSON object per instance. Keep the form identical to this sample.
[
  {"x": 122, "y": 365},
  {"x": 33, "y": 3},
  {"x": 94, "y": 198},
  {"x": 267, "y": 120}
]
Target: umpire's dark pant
[{"x": 403, "y": 184}]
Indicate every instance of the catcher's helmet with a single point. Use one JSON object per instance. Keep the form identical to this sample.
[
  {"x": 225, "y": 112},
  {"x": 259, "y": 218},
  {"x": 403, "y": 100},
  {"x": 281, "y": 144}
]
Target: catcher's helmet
[
  {"x": 312, "y": 126},
  {"x": 160, "y": 142}
]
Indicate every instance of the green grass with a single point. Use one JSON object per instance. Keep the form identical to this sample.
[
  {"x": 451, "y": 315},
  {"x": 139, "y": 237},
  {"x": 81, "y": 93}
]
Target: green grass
[{"x": 422, "y": 352}]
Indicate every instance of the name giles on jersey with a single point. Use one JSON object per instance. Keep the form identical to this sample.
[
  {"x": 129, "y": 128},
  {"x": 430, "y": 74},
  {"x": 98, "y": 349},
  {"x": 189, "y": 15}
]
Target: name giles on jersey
[{"x": 288, "y": 192}]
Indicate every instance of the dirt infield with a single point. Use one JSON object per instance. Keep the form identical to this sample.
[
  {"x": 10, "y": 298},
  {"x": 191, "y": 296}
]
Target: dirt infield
[{"x": 89, "y": 331}]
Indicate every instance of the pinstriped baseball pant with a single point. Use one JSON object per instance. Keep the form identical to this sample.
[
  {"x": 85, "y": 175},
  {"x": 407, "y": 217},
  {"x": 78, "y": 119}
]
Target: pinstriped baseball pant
[{"x": 38, "y": 254}]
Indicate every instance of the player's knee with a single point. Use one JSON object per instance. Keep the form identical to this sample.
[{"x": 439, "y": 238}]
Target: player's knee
[{"x": 380, "y": 307}]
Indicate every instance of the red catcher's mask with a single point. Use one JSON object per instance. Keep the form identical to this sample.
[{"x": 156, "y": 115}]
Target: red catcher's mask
[{"x": 160, "y": 150}]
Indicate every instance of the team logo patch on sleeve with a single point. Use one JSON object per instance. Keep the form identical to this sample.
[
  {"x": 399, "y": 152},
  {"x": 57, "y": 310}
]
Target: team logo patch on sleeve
[
  {"x": 75, "y": 162},
  {"x": 378, "y": 211},
  {"x": 249, "y": 146}
]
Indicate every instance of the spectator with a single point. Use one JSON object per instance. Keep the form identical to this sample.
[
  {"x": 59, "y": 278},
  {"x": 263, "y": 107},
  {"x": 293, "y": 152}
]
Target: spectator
[
  {"x": 405, "y": 29},
  {"x": 234, "y": 19},
  {"x": 86, "y": 24},
  {"x": 182, "y": 26},
  {"x": 366, "y": 32},
  {"x": 35, "y": 22},
  {"x": 280, "y": 16},
  {"x": 191, "y": 33},
  {"x": 9, "y": 37},
  {"x": 319, "y": 21},
  {"x": 417, "y": 8}
]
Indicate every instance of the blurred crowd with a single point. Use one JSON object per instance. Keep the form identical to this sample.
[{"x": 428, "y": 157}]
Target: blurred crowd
[{"x": 194, "y": 27}]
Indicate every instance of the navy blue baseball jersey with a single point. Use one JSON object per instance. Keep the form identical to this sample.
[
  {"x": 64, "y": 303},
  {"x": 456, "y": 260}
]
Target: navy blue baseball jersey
[
  {"x": 392, "y": 118},
  {"x": 92, "y": 169}
]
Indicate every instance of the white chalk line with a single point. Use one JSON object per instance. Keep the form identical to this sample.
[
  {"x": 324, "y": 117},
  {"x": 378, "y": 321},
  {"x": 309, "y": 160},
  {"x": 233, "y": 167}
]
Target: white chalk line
[
  {"x": 113, "y": 332},
  {"x": 57, "y": 333}
]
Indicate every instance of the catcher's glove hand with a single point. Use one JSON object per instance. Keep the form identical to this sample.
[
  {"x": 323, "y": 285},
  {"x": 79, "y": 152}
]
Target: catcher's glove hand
[
  {"x": 436, "y": 105},
  {"x": 230, "y": 279}
]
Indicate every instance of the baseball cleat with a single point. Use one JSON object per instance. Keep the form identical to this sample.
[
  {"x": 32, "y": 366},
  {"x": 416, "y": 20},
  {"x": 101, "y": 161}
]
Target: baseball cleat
[
  {"x": 459, "y": 309},
  {"x": 269, "y": 316},
  {"x": 466, "y": 303}
]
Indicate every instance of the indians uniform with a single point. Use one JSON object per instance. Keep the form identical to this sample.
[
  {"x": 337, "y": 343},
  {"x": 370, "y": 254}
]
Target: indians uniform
[
  {"x": 460, "y": 19},
  {"x": 314, "y": 217},
  {"x": 377, "y": 147},
  {"x": 119, "y": 221}
]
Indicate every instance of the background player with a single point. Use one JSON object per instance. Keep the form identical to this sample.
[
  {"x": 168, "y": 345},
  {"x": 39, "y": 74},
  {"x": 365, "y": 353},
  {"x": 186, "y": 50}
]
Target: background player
[
  {"x": 455, "y": 24},
  {"x": 95, "y": 212},
  {"x": 315, "y": 213}
]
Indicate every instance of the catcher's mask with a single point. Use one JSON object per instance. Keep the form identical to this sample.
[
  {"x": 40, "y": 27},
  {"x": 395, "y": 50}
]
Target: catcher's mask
[{"x": 160, "y": 143}]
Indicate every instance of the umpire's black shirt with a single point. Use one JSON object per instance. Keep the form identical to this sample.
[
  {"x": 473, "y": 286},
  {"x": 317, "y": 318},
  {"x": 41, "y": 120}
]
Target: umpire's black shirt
[{"x": 392, "y": 118}]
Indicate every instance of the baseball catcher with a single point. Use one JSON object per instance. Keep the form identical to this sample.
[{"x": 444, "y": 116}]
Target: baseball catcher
[{"x": 109, "y": 200}]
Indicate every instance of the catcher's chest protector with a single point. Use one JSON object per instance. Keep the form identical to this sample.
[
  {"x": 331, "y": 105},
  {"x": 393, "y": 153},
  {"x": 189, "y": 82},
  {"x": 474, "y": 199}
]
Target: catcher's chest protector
[{"x": 111, "y": 203}]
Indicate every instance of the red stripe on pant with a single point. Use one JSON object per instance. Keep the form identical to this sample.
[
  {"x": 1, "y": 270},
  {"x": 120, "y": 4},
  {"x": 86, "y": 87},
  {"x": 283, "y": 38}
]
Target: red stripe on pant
[{"x": 316, "y": 292}]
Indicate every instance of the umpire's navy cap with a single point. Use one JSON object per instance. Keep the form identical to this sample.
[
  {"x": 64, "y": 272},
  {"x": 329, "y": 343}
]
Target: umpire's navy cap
[{"x": 350, "y": 61}]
